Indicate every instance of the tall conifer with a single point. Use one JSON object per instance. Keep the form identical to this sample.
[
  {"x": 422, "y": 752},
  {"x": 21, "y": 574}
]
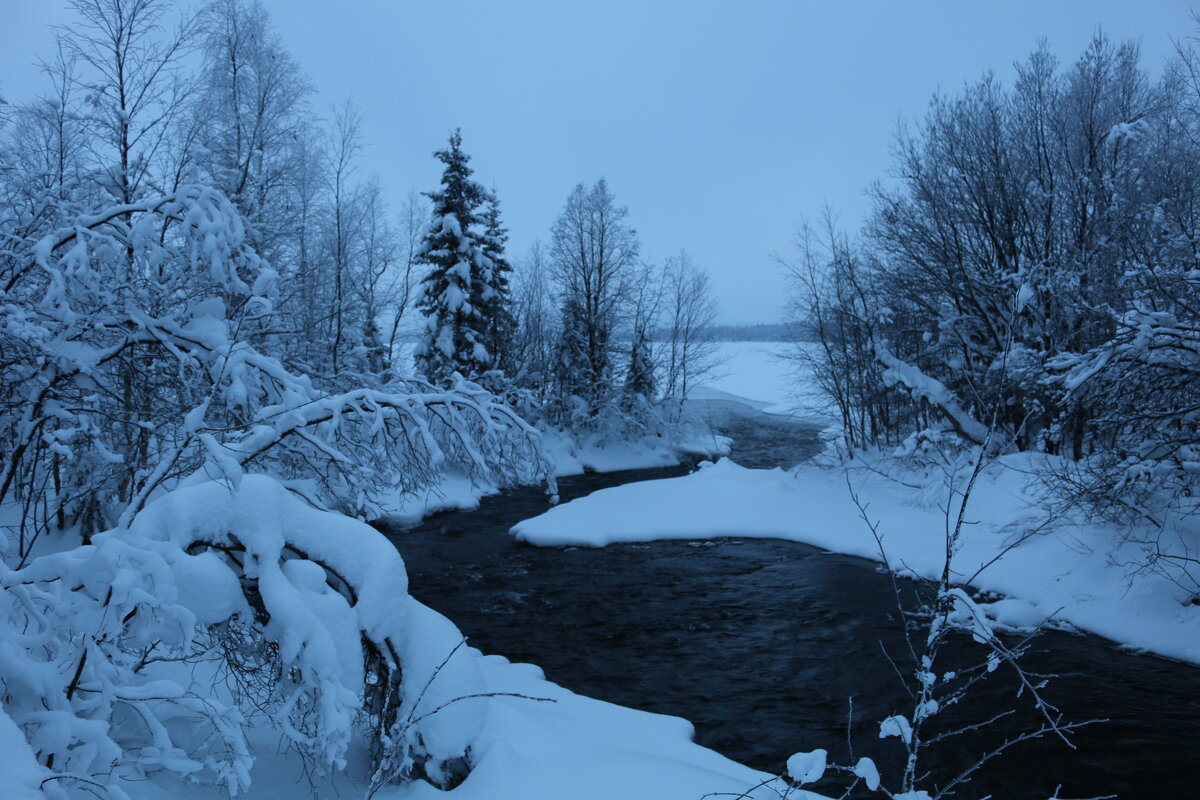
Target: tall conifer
[{"x": 455, "y": 336}]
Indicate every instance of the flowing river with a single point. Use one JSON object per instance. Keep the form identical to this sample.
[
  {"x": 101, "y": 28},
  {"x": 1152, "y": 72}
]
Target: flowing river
[{"x": 770, "y": 647}]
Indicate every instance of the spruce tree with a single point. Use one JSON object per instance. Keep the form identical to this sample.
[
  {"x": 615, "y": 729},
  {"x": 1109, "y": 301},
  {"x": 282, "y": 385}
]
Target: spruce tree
[
  {"x": 571, "y": 359},
  {"x": 496, "y": 292},
  {"x": 639, "y": 380},
  {"x": 452, "y": 292}
]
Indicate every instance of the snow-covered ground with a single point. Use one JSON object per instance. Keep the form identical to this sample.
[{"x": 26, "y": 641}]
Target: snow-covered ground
[
  {"x": 550, "y": 744},
  {"x": 538, "y": 740},
  {"x": 577, "y": 748},
  {"x": 574, "y": 454},
  {"x": 570, "y": 455}
]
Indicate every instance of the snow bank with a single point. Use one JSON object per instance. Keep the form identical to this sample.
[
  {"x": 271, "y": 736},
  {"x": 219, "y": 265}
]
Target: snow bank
[
  {"x": 108, "y": 649},
  {"x": 576, "y": 455},
  {"x": 570, "y": 455},
  {"x": 1067, "y": 572},
  {"x": 22, "y": 774},
  {"x": 577, "y": 748},
  {"x": 547, "y": 743},
  {"x": 297, "y": 554}
]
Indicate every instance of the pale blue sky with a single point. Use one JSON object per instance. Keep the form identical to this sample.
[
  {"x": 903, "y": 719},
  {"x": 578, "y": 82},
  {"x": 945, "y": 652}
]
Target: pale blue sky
[{"x": 720, "y": 125}]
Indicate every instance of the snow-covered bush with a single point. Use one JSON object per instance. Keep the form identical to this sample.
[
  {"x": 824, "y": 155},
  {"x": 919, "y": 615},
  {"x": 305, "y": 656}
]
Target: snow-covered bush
[
  {"x": 129, "y": 656},
  {"x": 1027, "y": 221},
  {"x": 1143, "y": 386}
]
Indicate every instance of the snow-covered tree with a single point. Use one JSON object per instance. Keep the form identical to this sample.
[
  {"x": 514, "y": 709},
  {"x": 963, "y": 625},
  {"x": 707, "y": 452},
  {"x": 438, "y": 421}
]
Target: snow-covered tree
[
  {"x": 77, "y": 333},
  {"x": 250, "y": 113},
  {"x": 171, "y": 401},
  {"x": 86, "y": 624},
  {"x": 593, "y": 251},
  {"x": 342, "y": 250},
  {"x": 571, "y": 357},
  {"x": 536, "y": 335},
  {"x": 456, "y": 328},
  {"x": 495, "y": 290},
  {"x": 1002, "y": 247},
  {"x": 691, "y": 311},
  {"x": 641, "y": 380},
  {"x": 130, "y": 64}
]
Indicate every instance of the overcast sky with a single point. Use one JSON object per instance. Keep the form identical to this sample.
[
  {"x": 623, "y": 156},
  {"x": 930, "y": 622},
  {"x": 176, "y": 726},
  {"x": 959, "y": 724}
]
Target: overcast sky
[{"x": 720, "y": 125}]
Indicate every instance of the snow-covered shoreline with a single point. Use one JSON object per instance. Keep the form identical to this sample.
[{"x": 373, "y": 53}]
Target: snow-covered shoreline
[
  {"x": 570, "y": 455},
  {"x": 1066, "y": 572}
]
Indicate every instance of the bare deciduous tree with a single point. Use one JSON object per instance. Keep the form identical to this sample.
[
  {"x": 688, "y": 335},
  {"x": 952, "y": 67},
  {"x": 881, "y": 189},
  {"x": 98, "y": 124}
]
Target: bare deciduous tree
[
  {"x": 593, "y": 251},
  {"x": 132, "y": 71},
  {"x": 691, "y": 311}
]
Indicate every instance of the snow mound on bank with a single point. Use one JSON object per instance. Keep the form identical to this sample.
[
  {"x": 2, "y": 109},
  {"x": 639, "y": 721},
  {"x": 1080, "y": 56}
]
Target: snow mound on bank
[
  {"x": 1069, "y": 572},
  {"x": 708, "y": 503},
  {"x": 577, "y": 748}
]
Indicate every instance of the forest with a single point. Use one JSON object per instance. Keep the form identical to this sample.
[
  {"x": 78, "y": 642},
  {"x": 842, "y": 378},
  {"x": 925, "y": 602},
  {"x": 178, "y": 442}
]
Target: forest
[{"x": 236, "y": 378}]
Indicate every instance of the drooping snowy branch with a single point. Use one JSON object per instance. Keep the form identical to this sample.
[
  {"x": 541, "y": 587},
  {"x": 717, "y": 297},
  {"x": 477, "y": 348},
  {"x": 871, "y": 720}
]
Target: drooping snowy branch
[
  {"x": 138, "y": 332},
  {"x": 141, "y": 395},
  {"x": 108, "y": 649},
  {"x": 932, "y": 391}
]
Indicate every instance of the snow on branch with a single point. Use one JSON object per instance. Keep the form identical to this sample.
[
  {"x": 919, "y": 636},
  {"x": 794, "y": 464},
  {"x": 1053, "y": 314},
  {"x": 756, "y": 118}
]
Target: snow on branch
[
  {"x": 141, "y": 398},
  {"x": 931, "y": 390},
  {"x": 139, "y": 363},
  {"x": 109, "y": 647}
]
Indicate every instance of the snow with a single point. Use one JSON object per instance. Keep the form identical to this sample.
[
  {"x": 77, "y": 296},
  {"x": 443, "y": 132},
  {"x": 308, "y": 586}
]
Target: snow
[
  {"x": 923, "y": 387},
  {"x": 22, "y": 774},
  {"x": 1068, "y": 573},
  {"x": 570, "y": 454},
  {"x": 530, "y": 738},
  {"x": 539, "y": 740},
  {"x": 763, "y": 376},
  {"x": 807, "y": 767},
  {"x": 866, "y": 769},
  {"x": 897, "y": 726},
  {"x": 585, "y": 749}
]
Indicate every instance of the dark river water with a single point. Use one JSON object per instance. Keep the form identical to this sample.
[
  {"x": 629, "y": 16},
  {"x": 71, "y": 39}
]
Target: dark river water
[{"x": 766, "y": 646}]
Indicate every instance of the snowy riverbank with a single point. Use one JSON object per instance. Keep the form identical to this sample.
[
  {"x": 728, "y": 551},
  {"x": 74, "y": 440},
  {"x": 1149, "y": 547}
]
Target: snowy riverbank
[
  {"x": 571, "y": 454},
  {"x": 1068, "y": 571},
  {"x": 1073, "y": 571}
]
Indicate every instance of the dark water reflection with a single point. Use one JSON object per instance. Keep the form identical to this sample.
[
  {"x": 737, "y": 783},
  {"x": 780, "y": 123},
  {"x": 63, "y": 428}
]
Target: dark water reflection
[{"x": 762, "y": 644}]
